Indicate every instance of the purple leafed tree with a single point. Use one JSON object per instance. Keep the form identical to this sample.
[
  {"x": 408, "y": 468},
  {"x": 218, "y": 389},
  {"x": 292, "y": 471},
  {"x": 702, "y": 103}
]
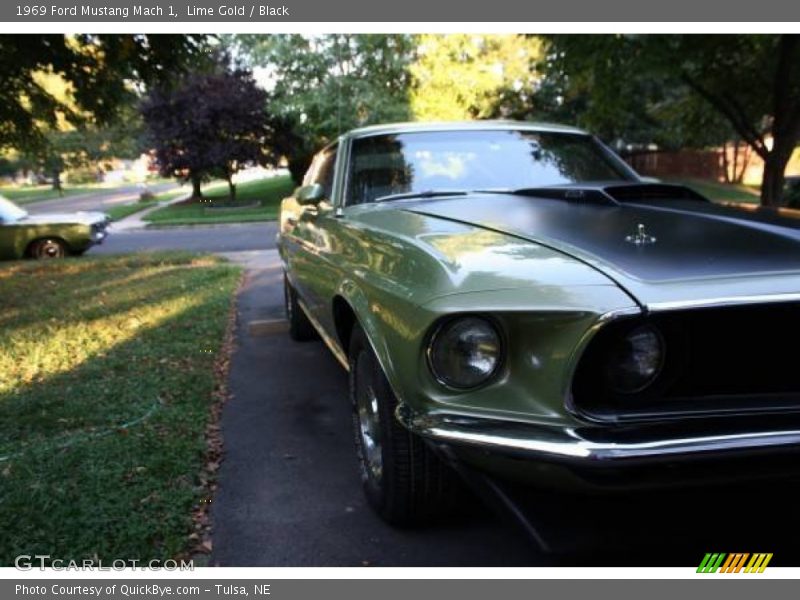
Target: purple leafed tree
[{"x": 209, "y": 125}]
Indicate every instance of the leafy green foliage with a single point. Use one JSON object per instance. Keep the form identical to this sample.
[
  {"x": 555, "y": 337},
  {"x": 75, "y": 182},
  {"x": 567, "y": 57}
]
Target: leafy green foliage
[
  {"x": 210, "y": 124},
  {"x": 96, "y": 74},
  {"x": 678, "y": 90},
  {"x": 469, "y": 76},
  {"x": 324, "y": 85}
]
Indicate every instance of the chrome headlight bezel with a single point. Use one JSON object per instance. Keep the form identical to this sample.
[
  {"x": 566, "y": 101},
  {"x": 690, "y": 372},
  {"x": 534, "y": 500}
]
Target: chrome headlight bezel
[{"x": 446, "y": 325}]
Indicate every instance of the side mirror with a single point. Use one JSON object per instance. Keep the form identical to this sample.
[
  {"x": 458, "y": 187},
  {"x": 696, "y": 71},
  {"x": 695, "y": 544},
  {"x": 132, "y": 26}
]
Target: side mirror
[{"x": 309, "y": 194}]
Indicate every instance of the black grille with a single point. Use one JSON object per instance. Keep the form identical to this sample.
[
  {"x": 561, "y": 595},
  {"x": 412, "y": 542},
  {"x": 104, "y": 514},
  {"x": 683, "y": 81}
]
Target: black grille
[{"x": 731, "y": 360}]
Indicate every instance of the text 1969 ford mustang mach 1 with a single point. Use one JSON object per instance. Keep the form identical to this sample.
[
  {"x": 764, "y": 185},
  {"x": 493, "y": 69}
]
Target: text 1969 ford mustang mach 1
[
  {"x": 49, "y": 235},
  {"x": 513, "y": 299}
]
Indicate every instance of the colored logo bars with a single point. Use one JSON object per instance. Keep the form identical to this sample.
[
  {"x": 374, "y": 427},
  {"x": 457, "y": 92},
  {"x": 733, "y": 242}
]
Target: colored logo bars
[{"x": 734, "y": 563}]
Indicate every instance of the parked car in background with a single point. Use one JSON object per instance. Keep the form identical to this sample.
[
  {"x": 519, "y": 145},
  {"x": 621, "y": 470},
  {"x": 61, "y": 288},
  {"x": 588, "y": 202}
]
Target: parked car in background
[
  {"x": 48, "y": 235},
  {"x": 513, "y": 300}
]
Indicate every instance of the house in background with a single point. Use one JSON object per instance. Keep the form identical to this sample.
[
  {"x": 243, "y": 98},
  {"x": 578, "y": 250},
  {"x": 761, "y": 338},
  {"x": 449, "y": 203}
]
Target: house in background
[{"x": 732, "y": 163}]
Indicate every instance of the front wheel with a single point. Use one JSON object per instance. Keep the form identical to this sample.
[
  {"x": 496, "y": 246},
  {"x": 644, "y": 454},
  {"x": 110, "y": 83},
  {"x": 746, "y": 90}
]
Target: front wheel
[
  {"x": 404, "y": 481},
  {"x": 48, "y": 248}
]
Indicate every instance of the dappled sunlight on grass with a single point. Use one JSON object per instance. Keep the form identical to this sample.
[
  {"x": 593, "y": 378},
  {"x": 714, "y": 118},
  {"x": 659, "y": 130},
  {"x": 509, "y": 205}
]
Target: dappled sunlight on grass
[
  {"x": 36, "y": 351},
  {"x": 87, "y": 346}
]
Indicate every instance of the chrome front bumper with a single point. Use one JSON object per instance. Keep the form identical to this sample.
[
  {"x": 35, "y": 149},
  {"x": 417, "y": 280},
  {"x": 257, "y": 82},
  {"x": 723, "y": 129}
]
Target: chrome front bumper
[{"x": 590, "y": 445}]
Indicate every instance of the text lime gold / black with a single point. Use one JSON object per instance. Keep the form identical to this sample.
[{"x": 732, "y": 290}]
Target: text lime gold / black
[{"x": 237, "y": 10}]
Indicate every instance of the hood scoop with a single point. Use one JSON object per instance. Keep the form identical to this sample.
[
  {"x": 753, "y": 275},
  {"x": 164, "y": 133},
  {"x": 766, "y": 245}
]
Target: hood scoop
[
  {"x": 613, "y": 195},
  {"x": 642, "y": 192}
]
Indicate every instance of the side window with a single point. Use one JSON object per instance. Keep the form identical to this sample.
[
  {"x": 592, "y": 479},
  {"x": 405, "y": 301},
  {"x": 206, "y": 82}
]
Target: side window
[{"x": 322, "y": 171}]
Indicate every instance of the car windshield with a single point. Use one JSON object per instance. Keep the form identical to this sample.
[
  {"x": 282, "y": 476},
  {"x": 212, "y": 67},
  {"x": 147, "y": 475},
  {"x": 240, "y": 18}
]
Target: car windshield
[
  {"x": 10, "y": 211},
  {"x": 429, "y": 161}
]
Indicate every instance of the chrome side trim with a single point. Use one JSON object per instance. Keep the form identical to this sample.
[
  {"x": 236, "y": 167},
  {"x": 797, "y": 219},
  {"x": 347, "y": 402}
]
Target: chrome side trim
[
  {"x": 603, "y": 320},
  {"x": 329, "y": 341},
  {"x": 537, "y": 441},
  {"x": 724, "y": 301}
]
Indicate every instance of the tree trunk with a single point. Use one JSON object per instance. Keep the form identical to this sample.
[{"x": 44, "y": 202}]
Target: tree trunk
[
  {"x": 232, "y": 189},
  {"x": 773, "y": 180},
  {"x": 196, "y": 191},
  {"x": 57, "y": 182},
  {"x": 725, "y": 163},
  {"x": 742, "y": 163},
  {"x": 785, "y": 121}
]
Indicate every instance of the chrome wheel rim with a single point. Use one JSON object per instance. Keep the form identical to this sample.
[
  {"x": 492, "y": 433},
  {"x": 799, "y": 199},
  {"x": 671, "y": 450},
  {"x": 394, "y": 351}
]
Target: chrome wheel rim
[
  {"x": 49, "y": 249},
  {"x": 368, "y": 420}
]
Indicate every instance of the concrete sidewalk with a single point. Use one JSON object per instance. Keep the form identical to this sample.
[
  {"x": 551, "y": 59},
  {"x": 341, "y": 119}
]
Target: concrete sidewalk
[{"x": 136, "y": 220}]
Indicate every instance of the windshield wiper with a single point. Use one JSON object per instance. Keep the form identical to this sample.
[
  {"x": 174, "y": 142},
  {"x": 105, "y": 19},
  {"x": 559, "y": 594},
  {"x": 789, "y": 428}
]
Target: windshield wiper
[{"x": 423, "y": 194}]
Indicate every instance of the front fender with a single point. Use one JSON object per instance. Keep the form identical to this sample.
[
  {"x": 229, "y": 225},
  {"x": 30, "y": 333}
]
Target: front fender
[
  {"x": 543, "y": 330},
  {"x": 368, "y": 315}
]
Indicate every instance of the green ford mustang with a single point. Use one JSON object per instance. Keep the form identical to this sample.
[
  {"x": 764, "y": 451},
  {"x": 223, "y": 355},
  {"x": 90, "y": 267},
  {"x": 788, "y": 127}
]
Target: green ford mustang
[
  {"x": 50, "y": 235},
  {"x": 512, "y": 300}
]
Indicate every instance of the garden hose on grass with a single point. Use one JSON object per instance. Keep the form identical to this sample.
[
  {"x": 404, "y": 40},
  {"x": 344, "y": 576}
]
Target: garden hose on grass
[{"x": 74, "y": 439}]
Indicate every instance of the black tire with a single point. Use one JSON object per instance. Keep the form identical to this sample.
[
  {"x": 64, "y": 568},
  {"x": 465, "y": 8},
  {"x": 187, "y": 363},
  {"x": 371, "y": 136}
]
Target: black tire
[
  {"x": 300, "y": 328},
  {"x": 410, "y": 485},
  {"x": 48, "y": 248}
]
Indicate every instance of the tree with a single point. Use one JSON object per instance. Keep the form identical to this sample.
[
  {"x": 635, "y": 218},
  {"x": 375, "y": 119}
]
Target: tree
[
  {"x": 99, "y": 74},
  {"x": 212, "y": 124},
  {"x": 88, "y": 146},
  {"x": 747, "y": 85},
  {"x": 470, "y": 76},
  {"x": 323, "y": 85}
]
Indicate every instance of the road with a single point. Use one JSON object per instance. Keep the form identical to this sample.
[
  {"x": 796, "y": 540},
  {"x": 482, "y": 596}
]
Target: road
[
  {"x": 211, "y": 238},
  {"x": 99, "y": 200}
]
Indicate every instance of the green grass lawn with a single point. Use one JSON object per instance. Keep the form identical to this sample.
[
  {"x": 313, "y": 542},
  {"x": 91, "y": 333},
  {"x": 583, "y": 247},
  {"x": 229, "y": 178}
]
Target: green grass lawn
[
  {"x": 265, "y": 194},
  {"x": 106, "y": 382},
  {"x": 720, "y": 192},
  {"x": 125, "y": 210}
]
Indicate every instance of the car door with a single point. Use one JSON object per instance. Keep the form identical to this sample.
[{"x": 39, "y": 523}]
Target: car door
[{"x": 310, "y": 266}]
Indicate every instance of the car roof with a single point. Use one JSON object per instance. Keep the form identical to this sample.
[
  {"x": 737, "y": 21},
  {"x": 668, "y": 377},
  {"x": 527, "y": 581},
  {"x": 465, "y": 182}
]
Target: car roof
[{"x": 413, "y": 127}]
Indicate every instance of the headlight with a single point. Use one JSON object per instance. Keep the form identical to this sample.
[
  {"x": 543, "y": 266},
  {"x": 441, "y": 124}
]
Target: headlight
[
  {"x": 636, "y": 360},
  {"x": 465, "y": 352}
]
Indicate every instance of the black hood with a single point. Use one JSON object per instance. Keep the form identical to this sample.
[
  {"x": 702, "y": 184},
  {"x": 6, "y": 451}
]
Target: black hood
[{"x": 687, "y": 239}]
